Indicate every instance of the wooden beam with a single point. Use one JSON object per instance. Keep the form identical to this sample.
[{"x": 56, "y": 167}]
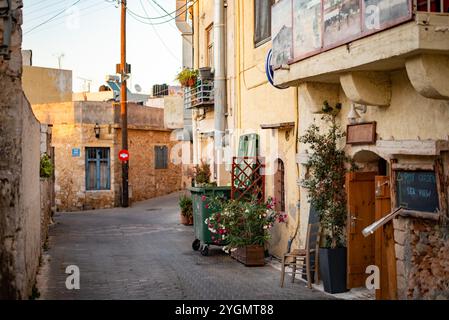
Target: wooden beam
[
  {"x": 413, "y": 166},
  {"x": 279, "y": 126}
]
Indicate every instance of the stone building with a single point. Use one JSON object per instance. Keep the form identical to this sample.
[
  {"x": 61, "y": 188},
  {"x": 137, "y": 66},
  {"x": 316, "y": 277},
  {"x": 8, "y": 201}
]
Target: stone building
[
  {"x": 390, "y": 73},
  {"x": 20, "y": 216},
  {"x": 86, "y": 141}
]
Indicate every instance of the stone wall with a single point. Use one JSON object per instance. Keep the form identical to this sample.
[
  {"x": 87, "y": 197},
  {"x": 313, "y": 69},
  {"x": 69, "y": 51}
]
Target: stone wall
[
  {"x": 145, "y": 181},
  {"x": 422, "y": 253},
  {"x": 19, "y": 175}
]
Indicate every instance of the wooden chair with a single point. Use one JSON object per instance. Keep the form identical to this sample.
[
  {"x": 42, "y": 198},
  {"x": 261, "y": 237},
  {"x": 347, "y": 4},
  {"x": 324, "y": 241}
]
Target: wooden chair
[{"x": 300, "y": 258}]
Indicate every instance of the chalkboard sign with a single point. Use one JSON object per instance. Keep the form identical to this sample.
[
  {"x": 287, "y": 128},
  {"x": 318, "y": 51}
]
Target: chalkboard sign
[{"x": 417, "y": 190}]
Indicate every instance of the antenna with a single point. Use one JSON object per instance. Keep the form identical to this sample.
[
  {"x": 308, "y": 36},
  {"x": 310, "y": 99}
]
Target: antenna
[
  {"x": 59, "y": 56},
  {"x": 138, "y": 88}
]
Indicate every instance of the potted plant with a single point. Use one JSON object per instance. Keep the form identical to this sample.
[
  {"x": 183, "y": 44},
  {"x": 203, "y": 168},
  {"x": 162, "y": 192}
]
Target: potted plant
[
  {"x": 187, "y": 77},
  {"x": 245, "y": 226},
  {"x": 185, "y": 203},
  {"x": 201, "y": 175},
  {"x": 326, "y": 192}
]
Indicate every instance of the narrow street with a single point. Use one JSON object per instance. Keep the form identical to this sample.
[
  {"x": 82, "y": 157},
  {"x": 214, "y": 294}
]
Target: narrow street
[{"x": 144, "y": 252}]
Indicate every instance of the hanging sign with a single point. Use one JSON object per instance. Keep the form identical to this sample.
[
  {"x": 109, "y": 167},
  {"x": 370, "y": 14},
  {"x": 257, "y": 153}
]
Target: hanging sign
[{"x": 269, "y": 70}]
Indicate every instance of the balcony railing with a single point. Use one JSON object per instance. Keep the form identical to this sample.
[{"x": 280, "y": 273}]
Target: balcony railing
[
  {"x": 441, "y": 6},
  {"x": 201, "y": 95}
]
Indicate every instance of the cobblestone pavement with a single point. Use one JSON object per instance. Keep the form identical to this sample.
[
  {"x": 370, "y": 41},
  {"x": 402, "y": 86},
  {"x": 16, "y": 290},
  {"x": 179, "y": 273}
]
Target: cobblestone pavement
[{"x": 144, "y": 252}]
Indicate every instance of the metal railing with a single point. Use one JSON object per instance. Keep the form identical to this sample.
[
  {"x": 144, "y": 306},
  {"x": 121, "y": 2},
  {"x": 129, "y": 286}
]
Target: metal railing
[
  {"x": 202, "y": 94},
  {"x": 441, "y": 6}
]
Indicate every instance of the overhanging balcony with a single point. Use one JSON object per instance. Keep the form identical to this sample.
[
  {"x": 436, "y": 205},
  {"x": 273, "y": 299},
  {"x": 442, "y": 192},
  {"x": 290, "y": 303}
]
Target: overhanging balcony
[
  {"x": 319, "y": 40},
  {"x": 201, "y": 95}
]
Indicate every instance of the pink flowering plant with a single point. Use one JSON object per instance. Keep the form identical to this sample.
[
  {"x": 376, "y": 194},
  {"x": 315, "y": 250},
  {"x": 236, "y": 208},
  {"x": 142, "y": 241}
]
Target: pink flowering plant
[{"x": 241, "y": 223}]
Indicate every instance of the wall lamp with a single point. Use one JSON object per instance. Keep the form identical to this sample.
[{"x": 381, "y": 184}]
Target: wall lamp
[
  {"x": 97, "y": 131},
  {"x": 354, "y": 115}
]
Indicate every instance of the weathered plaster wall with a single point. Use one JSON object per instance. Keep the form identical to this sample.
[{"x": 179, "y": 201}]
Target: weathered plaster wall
[
  {"x": 410, "y": 116},
  {"x": 19, "y": 176},
  {"x": 46, "y": 85}
]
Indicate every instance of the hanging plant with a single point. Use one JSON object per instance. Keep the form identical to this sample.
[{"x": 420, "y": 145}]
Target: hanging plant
[
  {"x": 187, "y": 77},
  {"x": 325, "y": 183}
]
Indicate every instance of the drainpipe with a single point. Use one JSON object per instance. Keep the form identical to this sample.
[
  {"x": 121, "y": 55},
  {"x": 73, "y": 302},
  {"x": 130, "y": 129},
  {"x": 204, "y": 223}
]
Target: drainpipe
[{"x": 219, "y": 83}]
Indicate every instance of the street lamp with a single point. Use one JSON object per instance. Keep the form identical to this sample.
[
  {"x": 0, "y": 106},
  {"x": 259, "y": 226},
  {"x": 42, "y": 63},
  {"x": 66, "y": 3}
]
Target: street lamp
[{"x": 97, "y": 131}]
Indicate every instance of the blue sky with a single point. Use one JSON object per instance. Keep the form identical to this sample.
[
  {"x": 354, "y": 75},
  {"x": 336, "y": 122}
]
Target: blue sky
[{"x": 88, "y": 34}]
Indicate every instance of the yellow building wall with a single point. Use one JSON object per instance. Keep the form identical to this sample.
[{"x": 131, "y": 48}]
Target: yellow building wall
[
  {"x": 260, "y": 103},
  {"x": 46, "y": 85},
  {"x": 252, "y": 101},
  {"x": 409, "y": 117}
]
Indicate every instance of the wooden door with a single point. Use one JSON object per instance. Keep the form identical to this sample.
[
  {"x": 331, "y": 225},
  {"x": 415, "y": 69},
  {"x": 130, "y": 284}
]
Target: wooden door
[
  {"x": 384, "y": 242},
  {"x": 360, "y": 191},
  {"x": 383, "y": 207}
]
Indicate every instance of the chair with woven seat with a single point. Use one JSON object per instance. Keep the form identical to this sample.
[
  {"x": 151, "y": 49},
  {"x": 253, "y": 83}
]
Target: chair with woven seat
[{"x": 301, "y": 258}]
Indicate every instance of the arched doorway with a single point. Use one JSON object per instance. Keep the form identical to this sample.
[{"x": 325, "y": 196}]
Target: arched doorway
[{"x": 368, "y": 196}]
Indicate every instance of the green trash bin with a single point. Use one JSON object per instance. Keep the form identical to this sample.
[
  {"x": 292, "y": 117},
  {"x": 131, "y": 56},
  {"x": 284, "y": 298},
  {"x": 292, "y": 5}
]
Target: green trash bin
[{"x": 203, "y": 236}]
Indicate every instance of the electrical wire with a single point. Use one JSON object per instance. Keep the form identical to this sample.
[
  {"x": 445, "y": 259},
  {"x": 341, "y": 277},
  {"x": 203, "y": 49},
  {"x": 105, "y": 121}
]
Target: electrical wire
[
  {"x": 159, "y": 37},
  {"x": 67, "y": 15},
  {"x": 53, "y": 17},
  {"x": 164, "y": 16},
  {"x": 131, "y": 13}
]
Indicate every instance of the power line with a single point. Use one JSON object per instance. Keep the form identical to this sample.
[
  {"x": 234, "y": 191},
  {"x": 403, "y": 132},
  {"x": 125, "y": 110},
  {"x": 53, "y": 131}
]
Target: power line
[
  {"x": 53, "y": 17},
  {"x": 67, "y": 15},
  {"x": 159, "y": 37},
  {"x": 136, "y": 17},
  {"x": 160, "y": 17}
]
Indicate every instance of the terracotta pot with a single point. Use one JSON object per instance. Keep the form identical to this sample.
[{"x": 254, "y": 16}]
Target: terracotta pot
[
  {"x": 191, "y": 82},
  {"x": 190, "y": 221},
  {"x": 184, "y": 220},
  {"x": 250, "y": 256}
]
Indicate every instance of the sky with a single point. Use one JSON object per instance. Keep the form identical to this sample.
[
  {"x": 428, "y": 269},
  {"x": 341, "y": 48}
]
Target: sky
[{"x": 87, "y": 34}]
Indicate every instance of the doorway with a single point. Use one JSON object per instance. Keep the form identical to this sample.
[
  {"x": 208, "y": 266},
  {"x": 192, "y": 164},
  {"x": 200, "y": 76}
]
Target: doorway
[{"x": 368, "y": 197}]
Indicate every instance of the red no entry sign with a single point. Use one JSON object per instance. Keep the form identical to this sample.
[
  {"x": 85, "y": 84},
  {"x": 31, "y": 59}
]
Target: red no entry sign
[{"x": 123, "y": 155}]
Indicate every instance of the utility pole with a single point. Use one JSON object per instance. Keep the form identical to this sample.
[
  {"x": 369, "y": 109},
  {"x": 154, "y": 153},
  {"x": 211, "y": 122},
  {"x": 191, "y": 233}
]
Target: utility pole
[{"x": 124, "y": 106}]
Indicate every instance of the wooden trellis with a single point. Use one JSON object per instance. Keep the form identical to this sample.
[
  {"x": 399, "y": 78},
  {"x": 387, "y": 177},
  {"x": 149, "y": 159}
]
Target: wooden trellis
[{"x": 248, "y": 178}]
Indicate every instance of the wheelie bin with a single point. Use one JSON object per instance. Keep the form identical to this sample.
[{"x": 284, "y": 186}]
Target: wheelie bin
[{"x": 201, "y": 211}]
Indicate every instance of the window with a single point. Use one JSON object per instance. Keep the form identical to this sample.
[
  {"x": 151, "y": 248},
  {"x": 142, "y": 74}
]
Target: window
[
  {"x": 279, "y": 186},
  {"x": 262, "y": 21},
  {"x": 161, "y": 157},
  {"x": 98, "y": 176},
  {"x": 210, "y": 46}
]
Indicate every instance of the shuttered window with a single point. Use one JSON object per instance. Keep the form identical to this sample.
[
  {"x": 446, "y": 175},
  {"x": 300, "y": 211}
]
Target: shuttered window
[
  {"x": 161, "y": 157},
  {"x": 98, "y": 169},
  {"x": 262, "y": 21}
]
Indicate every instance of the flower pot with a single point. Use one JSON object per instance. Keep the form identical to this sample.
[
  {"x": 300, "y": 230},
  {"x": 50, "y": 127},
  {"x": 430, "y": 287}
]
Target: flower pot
[
  {"x": 184, "y": 220},
  {"x": 190, "y": 219},
  {"x": 250, "y": 256},
  {"x": 191, "y": 82},
  {"x": 333, "y": 269}
]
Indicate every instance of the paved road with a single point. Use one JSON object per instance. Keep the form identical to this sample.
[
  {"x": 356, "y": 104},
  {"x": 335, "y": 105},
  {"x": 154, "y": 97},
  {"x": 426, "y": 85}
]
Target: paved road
[{"x": 144, "y": 253}]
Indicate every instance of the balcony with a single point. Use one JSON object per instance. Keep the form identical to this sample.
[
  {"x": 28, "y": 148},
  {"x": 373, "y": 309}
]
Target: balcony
[
  {"x": 324, "y": 39},
  {"x": 201, "y": 95}
]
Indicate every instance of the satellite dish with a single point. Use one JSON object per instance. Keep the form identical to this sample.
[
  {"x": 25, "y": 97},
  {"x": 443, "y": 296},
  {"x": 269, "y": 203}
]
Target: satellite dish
[{"x": 138, "y": 88}]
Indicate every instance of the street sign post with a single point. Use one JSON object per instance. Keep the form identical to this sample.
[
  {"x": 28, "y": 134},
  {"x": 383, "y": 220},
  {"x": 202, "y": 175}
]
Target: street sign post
[{"x": 123, "y": 155}]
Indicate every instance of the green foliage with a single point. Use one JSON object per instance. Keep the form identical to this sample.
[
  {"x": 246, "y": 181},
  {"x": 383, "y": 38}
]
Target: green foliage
[
  {"x": 201, "y": 174},
  {"x": 185, "y": 203},
  {"x": 242, "y": 223},
  {"x": 46, "y": 169},
  {"x": 325, "y": 183},
  {"x": 187, "y": 77}
]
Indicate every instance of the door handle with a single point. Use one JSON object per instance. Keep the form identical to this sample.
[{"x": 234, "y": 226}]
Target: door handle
[{"x": 353, "y": 218}]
